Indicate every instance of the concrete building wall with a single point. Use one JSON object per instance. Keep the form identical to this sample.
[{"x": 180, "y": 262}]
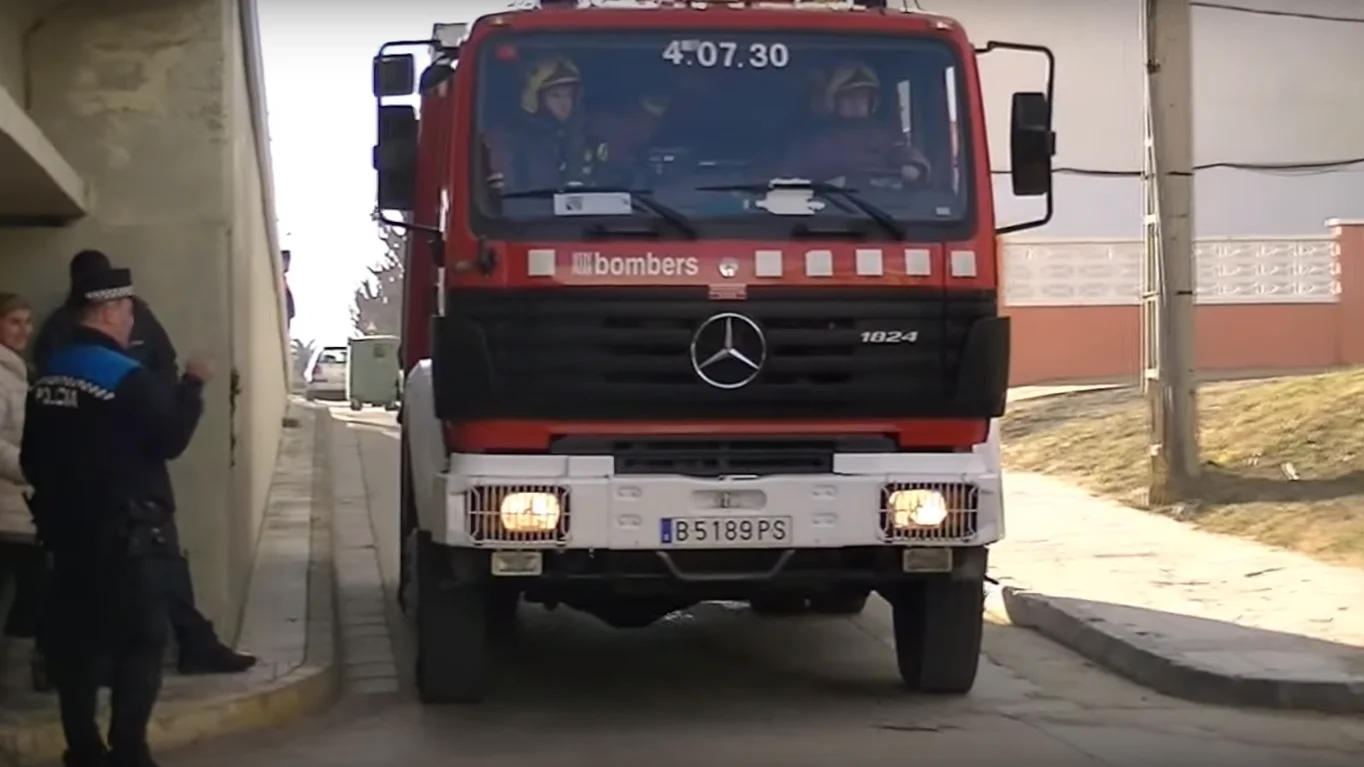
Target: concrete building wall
[
  {"x": 260, "y": 343},
  {"x": 1267, "y": 89},
  {"x": 12, "y": 26},
  {"x": 144, "y": 98}
]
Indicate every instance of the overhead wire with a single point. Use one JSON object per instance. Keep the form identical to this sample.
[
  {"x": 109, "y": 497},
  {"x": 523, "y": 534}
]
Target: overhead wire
[
  {"x": 1303, "y": 15},
  {"x": 1268, "y": 168},
  {"x": 1281, "y": 168}
]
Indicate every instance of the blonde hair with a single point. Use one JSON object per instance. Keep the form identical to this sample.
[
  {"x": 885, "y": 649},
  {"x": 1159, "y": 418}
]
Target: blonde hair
[{"x": 11, "y": 303}]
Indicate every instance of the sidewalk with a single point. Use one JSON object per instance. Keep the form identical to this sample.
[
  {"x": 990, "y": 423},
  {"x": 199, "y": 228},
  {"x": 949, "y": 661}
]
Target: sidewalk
[
  {"x": 287, "y": 622},
  {"x": 1188, "y": 613}
]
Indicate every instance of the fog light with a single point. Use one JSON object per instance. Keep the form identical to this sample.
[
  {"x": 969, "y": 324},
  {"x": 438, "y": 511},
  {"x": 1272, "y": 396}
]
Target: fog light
[
  {"x": 529, "y": 512},
  {"x": 917, "y": 508}
]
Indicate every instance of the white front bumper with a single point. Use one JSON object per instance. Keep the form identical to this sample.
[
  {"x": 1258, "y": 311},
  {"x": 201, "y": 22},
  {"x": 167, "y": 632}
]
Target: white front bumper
[{"x": 624, "y": 512}]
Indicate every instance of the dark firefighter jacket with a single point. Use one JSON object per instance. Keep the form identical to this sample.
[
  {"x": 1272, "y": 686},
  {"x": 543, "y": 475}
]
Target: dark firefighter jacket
[
  {"x": 850, "y": 147},
  {"x": 151, "y": 344},
  {"x": 543, "y": 153}
]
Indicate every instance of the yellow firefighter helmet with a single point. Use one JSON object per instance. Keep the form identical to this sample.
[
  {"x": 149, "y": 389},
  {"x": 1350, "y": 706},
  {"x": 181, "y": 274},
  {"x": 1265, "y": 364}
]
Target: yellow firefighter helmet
[
  {"x": 545, "y": 75},
  {"x": 850, "y": 78}
]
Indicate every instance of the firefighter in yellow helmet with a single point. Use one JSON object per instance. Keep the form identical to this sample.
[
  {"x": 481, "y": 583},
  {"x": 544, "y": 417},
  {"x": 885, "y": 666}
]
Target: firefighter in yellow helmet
[
  {"x": 552, "y": 147},
  {"x": 855, "y": 139}
]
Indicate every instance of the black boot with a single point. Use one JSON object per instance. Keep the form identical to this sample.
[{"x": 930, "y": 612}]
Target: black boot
[
  {"x": 215, "y": 659},
  {"x": 141, "y": 757}
]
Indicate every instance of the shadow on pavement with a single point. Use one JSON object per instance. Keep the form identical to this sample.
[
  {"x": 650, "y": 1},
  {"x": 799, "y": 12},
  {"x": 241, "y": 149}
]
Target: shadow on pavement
[{"x": 715, "y": 661}]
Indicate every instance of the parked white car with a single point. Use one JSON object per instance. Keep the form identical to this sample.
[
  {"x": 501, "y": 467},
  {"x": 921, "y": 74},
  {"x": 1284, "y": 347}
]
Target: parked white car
[{"x": 327, "y": 374}]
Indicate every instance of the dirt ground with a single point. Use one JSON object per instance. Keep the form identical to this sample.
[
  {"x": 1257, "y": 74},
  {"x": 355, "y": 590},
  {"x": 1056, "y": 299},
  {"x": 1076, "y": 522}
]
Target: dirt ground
[{"x": 1283, "y": 459}]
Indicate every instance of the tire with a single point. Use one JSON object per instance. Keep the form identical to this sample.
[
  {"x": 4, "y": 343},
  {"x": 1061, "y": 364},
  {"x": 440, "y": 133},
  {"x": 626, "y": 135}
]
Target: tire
[
  {"x": 777, "y": 605},
  {"x": 356, "y": 405},
  {"x": 938, "y": 629},
  {"x": 407, "y": 523},
  {"x": 504, "y": 619},
  {"x": 839, "y": 603},
  {"x": 453, "y": 629},
  {"x": 310, "y": 396}
]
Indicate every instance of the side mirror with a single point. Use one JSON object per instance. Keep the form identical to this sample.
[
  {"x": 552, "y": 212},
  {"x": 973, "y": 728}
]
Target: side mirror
[
  {"x": 1032, "y": 144},
  {"x": 394, "y": 75},
  {"x": 395, "y": 158}
]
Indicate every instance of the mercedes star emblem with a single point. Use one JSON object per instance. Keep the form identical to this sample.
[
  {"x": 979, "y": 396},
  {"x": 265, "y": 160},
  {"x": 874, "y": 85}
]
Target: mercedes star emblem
[
  {"x": 728, "y": 351},
  {"x": 728, "y": 268}
]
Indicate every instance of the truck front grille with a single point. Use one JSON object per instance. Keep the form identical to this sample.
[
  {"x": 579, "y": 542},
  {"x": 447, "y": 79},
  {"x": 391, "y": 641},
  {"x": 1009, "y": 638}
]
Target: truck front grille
[
  {"x": 612, "y": 354},
  {"x": 728, "y": 456}
]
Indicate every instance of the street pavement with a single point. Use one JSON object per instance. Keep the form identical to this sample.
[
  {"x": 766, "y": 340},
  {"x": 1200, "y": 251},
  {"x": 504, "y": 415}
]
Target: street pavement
[
  {"x": 1191, "y": 613},
  {"x": 719, "y": 686}
]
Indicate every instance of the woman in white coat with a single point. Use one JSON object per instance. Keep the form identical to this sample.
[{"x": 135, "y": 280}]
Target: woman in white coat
[{"x": 19, "y": 552}]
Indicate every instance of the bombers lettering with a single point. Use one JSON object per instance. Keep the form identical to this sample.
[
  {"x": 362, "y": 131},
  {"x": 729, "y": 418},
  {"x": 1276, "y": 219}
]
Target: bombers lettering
[{"x": 647, "y": 265}]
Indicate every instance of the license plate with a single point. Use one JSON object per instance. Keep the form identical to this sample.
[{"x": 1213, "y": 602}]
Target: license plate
[{"x": 724, "y": 531}]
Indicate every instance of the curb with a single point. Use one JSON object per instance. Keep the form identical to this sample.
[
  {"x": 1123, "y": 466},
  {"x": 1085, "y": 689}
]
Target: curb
[
  {"x": 1054, "y": 391},
  {"x": 308, "y": 688},
  {"x": 1138, "y": 659}
]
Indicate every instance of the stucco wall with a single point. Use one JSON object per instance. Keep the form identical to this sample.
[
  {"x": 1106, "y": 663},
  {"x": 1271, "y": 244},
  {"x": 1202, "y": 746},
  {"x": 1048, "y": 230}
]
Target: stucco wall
[
  {"x": 1263, "y": 304},
  {"x": 259, "y": 345},
  {"x": 12, "y": 26},
  {"x": 1267, "y": 89},
  {"x": 145, "y": 98}
]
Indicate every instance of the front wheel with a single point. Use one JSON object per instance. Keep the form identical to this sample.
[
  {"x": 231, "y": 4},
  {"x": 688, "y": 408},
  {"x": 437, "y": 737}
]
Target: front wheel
[
  {"x": 453, "y": 628},
  {"x": 356, "y": 405},
  {"x": 407, "y": 515},
  {"x": 939, "y": 625}
]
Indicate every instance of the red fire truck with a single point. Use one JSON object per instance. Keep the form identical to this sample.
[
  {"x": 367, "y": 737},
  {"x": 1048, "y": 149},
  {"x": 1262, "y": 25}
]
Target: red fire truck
[{"x": 702, "y": 304}]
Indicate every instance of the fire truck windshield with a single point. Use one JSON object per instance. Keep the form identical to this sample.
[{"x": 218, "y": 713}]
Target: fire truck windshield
[{"x": 731, "y": 133}]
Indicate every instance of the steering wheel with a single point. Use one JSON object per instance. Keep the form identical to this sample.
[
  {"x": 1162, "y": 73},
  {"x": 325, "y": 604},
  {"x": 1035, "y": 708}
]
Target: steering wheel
[{"x": 889, "y": 178}]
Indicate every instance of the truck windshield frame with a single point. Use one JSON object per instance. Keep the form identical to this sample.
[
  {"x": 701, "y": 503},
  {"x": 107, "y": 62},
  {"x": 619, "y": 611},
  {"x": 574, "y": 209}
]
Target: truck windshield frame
[{"x": 688, "y": 130}]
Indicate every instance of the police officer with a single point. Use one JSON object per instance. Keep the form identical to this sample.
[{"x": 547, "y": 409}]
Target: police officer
[
  {"x": 151, "y": 345},
  {"x": 201, "y": 651},
  {"x": 99, "y": 431}
]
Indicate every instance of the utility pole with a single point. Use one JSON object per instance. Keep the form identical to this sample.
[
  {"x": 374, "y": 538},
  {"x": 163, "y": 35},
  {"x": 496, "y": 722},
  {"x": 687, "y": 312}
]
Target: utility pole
[{"x": 1168, "y": 282}]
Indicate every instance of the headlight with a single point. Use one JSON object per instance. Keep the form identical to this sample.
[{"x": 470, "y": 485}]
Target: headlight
[
  {"x": 529, "y": 512},
  {"x": 917, "y": 508}
]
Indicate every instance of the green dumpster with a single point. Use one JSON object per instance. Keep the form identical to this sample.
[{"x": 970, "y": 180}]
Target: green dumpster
[{"x": 373, "y": 373}]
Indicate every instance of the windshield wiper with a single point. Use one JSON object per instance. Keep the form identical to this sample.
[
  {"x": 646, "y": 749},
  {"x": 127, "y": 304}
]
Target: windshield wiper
[
  {"x": 638, "y": 198},
  {"x": 883, "y": 219}
]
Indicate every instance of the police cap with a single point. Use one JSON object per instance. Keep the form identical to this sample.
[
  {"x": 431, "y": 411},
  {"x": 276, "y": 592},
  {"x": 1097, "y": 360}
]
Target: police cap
[{"x": 104, "y": 285}]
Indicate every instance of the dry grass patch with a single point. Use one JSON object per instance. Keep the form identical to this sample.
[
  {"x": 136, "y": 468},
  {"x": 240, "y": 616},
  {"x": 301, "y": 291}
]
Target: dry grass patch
[{"x": 1283, "y": 458}]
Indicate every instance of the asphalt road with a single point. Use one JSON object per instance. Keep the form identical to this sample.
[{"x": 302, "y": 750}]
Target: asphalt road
[{"x": 718, "y": 686}]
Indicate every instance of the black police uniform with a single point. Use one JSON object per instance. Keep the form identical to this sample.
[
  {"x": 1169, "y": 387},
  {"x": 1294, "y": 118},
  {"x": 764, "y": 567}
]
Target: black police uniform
[
  {"x": 151, "y": 345},
  {"x": 99, "y": 431},
  {"x": 200, "y": 649}
]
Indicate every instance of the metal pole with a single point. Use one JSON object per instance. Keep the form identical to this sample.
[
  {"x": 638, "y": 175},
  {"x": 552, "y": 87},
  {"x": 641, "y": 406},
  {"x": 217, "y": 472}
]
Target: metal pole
[{"x": 1168, "y": 285}]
